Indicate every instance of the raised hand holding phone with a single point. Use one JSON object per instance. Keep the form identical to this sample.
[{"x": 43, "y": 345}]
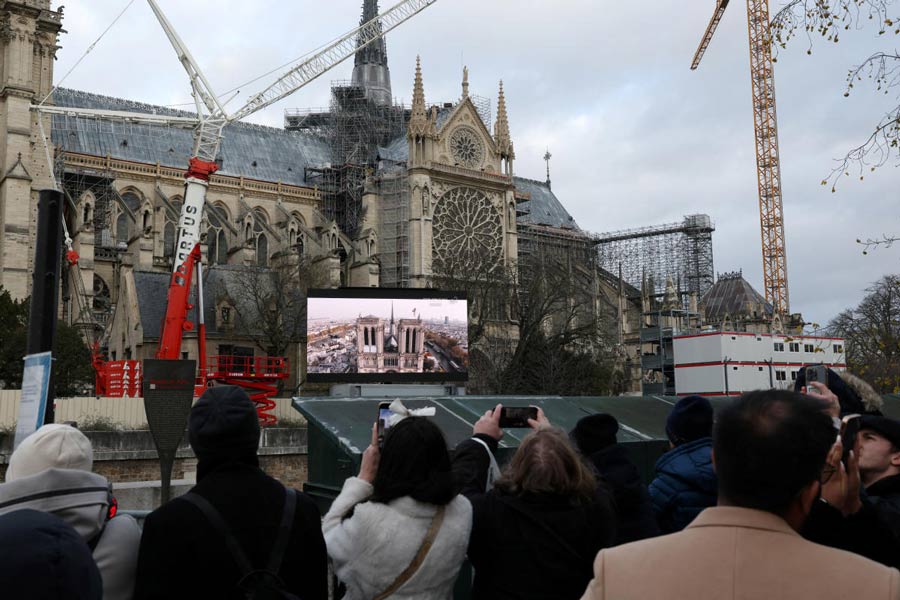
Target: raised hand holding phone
[{"x": 368, "y": 467}]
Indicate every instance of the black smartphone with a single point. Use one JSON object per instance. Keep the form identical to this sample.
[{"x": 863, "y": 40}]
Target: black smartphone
[
  {"x": 384, "y": 416},
  {"x": 816, "y": 373},
  {"x": 513, "y": 417},
  {"x": 849, "y": 431}
]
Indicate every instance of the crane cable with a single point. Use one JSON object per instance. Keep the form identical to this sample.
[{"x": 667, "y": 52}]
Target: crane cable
[{"x": 86, "y": 52}]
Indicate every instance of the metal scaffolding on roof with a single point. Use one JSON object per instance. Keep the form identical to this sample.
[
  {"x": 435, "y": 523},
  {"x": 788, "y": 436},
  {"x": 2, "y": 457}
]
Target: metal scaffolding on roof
[
  {"x": 354, "y": 126},
  {"x": 682, "y": 251}
]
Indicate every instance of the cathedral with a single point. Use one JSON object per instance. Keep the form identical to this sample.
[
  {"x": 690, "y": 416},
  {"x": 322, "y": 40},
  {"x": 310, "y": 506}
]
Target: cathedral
[{"x": 367, "y": 194}]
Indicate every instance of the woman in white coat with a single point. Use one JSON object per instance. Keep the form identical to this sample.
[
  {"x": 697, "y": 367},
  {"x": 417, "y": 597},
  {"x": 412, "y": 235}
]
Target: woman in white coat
[{"x": 399, "y": 529}]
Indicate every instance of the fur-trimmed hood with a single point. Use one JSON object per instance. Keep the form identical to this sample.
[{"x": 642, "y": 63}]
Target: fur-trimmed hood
[{"x": 872, "y": 401}]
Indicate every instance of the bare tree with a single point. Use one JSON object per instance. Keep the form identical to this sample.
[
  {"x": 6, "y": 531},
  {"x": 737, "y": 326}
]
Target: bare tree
[
  {"x": 827, "y": 19},
  {"x": 538, "y": 327},
  {"x": 271, "y": 302},
  {"x": 872, "y": 333}
]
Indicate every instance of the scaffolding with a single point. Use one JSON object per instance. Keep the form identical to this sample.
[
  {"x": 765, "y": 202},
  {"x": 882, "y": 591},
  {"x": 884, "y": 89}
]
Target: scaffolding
[
  {"x": 682, "y": 251},
  {"x": 392, "y": 185},
  {"x": 355, "y": 126}
]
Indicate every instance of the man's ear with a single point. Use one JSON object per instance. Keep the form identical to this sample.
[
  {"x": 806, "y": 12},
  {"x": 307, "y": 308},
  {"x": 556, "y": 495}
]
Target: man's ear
[{"x": 895, "y": 458}]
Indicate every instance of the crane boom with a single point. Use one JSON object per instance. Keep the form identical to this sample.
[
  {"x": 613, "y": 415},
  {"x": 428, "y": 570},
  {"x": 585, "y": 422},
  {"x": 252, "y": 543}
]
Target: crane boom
[
  {"x": 208, "y": 137},
  {"x": 710, "y": 30},
  {"x": 332, "y": 55},
  {"x": 768, "y": 166}
]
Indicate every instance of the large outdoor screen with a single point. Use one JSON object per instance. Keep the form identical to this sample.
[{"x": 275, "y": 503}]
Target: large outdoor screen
[{"x": 361, "y": 335}]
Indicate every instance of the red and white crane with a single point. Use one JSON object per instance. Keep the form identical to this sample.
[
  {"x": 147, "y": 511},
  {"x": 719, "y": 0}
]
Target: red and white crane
[{"x": 208, "y": 132}]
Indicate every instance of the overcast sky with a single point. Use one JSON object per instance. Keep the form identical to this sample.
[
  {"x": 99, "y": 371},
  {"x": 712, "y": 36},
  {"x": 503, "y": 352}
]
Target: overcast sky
[
  {"x": 637, "y": 138},
  {"x": 351, "y": 308}
]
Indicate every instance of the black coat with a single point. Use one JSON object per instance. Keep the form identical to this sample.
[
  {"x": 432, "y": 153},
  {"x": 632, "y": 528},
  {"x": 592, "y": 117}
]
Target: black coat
[
  {"x": 634, "y": 512},
  {"x": 534, "y": 547},
  {"x": 873, "y": 532},
  {"x": 182, "y": 556}
]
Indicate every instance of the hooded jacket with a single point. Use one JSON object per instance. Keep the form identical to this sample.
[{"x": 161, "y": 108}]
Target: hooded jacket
[
  {"x": 685, "y": 484},
  {"x": 82, "y": 500}
]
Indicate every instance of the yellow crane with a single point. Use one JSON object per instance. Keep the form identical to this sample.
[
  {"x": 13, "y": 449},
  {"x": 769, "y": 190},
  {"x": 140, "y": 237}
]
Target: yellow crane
[{"x": 768, "y": 169}]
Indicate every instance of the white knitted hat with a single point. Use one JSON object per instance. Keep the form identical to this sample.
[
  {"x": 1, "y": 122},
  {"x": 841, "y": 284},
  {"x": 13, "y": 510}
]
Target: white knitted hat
[{"x": 54, "y": 445}]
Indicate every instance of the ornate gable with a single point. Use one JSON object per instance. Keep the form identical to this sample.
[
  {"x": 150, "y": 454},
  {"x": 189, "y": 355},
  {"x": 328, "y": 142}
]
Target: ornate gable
[{"x": 465, "y": 141}]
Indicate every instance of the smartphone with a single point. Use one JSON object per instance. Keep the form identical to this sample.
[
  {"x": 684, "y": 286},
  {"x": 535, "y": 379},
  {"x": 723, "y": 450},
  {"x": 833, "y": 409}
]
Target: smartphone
[
  {"x": 517, "y": 416},
  {"x": 816, "y": 373},
  {"x": 849, "y": 431},
  {"x": 384, "y": 416}
]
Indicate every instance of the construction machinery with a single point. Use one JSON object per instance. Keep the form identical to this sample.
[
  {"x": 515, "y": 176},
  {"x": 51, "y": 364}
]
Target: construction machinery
[
  {"x": 258, "y": 376},
  {"x": 768, "y": 169}
]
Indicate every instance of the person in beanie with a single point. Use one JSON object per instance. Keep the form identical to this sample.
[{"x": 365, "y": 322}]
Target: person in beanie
[
  {"x": 595, "y": 438},
  {"x": 685, "y": 480},
  {"x": 859, "y": 508},
  {"x": 50, "y": 471},
  {"x": 182, "y": 555}
]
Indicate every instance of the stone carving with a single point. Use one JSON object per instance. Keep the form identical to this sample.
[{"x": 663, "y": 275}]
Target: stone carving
[{"x": 467, "y": 147}]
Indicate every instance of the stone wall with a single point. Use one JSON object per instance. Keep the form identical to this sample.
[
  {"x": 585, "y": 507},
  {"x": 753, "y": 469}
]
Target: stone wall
[{"x": 130, "y": 456}]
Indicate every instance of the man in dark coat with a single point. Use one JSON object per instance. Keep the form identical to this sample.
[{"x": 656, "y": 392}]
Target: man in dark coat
[
  {"x": 685, "y": 480},
  {"x": 43, "y": 558},
  {"x": 870, "y": 523},
  {"x": 183, "y": 556},
  {"x": 595, "y": 438}
]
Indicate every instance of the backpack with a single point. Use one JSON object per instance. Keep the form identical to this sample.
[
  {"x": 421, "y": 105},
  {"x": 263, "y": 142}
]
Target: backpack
[{"x": 256, "y": 584}]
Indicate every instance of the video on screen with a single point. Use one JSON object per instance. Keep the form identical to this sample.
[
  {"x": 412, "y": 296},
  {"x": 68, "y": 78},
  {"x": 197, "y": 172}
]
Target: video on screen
[{"x": 399, "y": 338}]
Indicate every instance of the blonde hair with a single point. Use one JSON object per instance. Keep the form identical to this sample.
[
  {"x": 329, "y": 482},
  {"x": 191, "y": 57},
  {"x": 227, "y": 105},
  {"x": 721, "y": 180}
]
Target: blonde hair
[{"x": 546, "y": 463}]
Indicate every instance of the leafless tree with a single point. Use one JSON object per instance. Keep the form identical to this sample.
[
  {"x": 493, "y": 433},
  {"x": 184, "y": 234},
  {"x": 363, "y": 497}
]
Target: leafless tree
[
  {"x": 271, "y": 302},
  {"x": 872, "y": 332},
  {"x": 536, "y": 328},
  {"x": 827, "y": 19}
]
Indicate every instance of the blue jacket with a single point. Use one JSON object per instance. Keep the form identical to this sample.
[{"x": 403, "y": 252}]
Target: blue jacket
[{"x": 685, "y": 484}]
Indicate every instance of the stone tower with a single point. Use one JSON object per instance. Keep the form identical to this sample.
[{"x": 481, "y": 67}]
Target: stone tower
[
  {"x": 29, "y": 31},
  {"x": 370, "y": 69}
]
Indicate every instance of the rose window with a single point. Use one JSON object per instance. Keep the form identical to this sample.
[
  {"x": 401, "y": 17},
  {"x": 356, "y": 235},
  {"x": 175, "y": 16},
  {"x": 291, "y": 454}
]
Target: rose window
[
  {"x": 467, "y": 148},
  {"x": 467, "y": 233}
]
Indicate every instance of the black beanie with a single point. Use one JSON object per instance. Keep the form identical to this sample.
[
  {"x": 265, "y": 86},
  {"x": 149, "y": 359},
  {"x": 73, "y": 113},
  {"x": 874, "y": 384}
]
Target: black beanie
[
  {"x": 223, "y": 424},
  {"x": 594, "y": 433},
  {"x": 690, "y": 419}
]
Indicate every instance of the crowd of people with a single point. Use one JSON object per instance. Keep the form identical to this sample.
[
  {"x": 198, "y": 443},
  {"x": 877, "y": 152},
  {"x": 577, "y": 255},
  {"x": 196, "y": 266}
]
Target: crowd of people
[{"x": 757, "y": 499}]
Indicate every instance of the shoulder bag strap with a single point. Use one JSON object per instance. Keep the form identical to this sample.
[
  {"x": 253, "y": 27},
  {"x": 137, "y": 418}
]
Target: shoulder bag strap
[
  {"x": 284, "y": 530},
  {"x": 215, "y": 519},
  {"x": 409, "y": 571}
]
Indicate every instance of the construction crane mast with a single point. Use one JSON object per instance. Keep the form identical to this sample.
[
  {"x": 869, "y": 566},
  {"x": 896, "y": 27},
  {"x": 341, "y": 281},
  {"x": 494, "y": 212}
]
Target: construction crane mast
[{"x": 768, "y": 168}]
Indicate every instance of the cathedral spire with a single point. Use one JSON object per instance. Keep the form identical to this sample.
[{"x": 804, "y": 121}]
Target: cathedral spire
[
  {"x": 501, "y": 133},
  {"x": 501, "y": 127},
  {"x": 370, "y": 69},
  {"x": 418, "y": 120},
  {"x": 465, "y": 83}
]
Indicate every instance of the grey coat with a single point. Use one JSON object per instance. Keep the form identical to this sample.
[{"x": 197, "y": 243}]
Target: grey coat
[{"x": 81, "y": 499}]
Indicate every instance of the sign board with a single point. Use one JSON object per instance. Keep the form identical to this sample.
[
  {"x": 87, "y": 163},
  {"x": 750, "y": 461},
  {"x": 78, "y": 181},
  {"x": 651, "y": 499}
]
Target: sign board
[
  {"x": 33, "y": 402},
  {"x": 168, "y": 387}
]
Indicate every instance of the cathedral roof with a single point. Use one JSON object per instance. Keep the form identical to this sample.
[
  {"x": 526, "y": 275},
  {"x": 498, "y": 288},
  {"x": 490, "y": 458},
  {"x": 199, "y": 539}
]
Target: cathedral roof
[
  {"x": 544, "y": 208},
  {"x": 254, "y": 151},
  {"x": 219, "y": 282},
  {"x": 733, "y": 296}
]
